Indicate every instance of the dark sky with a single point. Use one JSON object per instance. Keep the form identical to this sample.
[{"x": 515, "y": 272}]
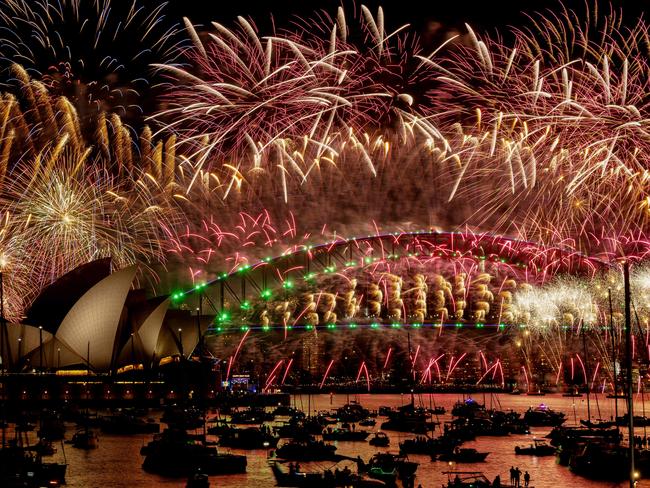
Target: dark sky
[{"x": 482, "y": 14}]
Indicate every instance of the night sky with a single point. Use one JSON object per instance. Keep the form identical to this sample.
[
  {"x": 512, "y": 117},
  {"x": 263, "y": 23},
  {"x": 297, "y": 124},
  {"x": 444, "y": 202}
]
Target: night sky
[{"x": 481, "y": 14}]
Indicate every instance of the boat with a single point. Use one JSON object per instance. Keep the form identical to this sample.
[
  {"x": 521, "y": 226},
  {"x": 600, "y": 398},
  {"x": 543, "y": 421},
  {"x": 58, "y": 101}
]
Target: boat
[
  {"x": 384, "y": 410},
  {"x": 466, "y": 479},
  {"x": 639, "y": 420},
  {"x": 51, "y": 427},
  {"x": 417, "y": 445},
  {"x": 249, "y": 438},
  {"x": 408, "y": 418},
  {"x": 542, "y": 416},
  {"x": 467, "y": 408},
  {"x": 198, "y": 480},
  {"x": 176, "y": 453},
  {"x": 537, "y": 448},
  {"x": 619, "y": 396},
  {"x": 537, "y": 392},
  {"x": 599, "y": 424},
  {"x": 294, "y": 477},
  {"x": 573, "y": 393},
  {"x": 344, "y": 434},
  {"x": 85, "y": 439},
  {"x": 25, "y": 426},
  {"x": 380, "y": 439},
  {"x": 43, "y": 447},
  {"x": 251, "y": 416},
  {"x": 126, "y": 424},
  {"x": 352, "y": 412},
  {"x": 428, "y": 445},
  {"x": 568, "y": 437},
  {"x": 218, "y": 427},
  {"x": 601, "y": 461},
  {"x": 301, "y": 427},
  {"x": 437, "y": 410},
  {"x": 462, "y": 455},
  {"x": 287, "y": 411},
  {"x": 387, "y": 467},
  {"x": 20, "y": 468},
  {"x": 368, "y": 423},
  {"x": 183, "y": 418},
  {"x": 307, "y": 450}
]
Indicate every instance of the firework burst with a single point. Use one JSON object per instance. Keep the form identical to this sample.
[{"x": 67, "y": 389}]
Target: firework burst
[
  {"x": 63, "y": 210},
  {"x": 562, "y": 127},
  {"x": 85, "y": 51}
]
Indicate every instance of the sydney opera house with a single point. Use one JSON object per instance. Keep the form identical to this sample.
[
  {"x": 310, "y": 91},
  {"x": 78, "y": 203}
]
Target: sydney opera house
[{"x": 93, "y": 319}]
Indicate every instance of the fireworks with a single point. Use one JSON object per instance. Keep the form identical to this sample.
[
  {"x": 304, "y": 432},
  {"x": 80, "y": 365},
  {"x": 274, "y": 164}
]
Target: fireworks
[
  {"x": 312, "y": 157},
  {"x": 560, "y": 119},
  {"x": 285, "y": 105},
  {"x": 96, "y": 53},
  {"x": 347, "y": 112},
  {"x": 63, "y": 211}
]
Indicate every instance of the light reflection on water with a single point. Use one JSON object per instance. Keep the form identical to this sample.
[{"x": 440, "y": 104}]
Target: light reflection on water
[{"x": 117, "y": 461}]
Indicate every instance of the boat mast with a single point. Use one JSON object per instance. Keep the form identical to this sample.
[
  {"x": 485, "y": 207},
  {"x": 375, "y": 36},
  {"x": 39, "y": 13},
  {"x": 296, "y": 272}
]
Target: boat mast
[
  {"x": 408, "y": 338},
  {"x": 611, "y": 333},
  {"x": 628, "y": 354},
  {"x": 584, "y": 347},
  {"x": 638, "y": 326},
  {"x": 6, "y": 354}
]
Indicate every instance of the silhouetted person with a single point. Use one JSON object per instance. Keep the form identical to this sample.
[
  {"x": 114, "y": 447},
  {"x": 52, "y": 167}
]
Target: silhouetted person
[
  {"x": 497, "y": 482},
  {"x": 526, "y": 479},
  {"x": 512, "y": 476},
  {"x": 517, "y": 477}
]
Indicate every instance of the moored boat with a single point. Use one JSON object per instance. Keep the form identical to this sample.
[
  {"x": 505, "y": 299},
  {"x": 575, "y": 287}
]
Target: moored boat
[
  {"x": 462, "y": 455},
  {"x": 343, "y": 434},
  {"x": 543, "y": 416},
  {"x": 294, "y": 477},
  {"x": 85, "y": 439},
  {"x": 307, "y": 450},
  {"x": 380, "y": 439},
  {"x": 466, "y": 479},
  {"x": 386, "y": 466},
  {"x": 249, "y": 438},
  {"x": 175, "y": 453},
  {"x": 537, "y": 448}
]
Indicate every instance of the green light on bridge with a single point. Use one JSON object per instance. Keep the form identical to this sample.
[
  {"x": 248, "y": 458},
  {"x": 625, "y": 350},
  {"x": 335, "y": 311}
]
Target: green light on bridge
[{"x": 266, "y": 294}]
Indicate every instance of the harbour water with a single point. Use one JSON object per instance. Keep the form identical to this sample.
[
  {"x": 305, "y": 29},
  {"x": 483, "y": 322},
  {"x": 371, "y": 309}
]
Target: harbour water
[{"x": 117, "y": 461}]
